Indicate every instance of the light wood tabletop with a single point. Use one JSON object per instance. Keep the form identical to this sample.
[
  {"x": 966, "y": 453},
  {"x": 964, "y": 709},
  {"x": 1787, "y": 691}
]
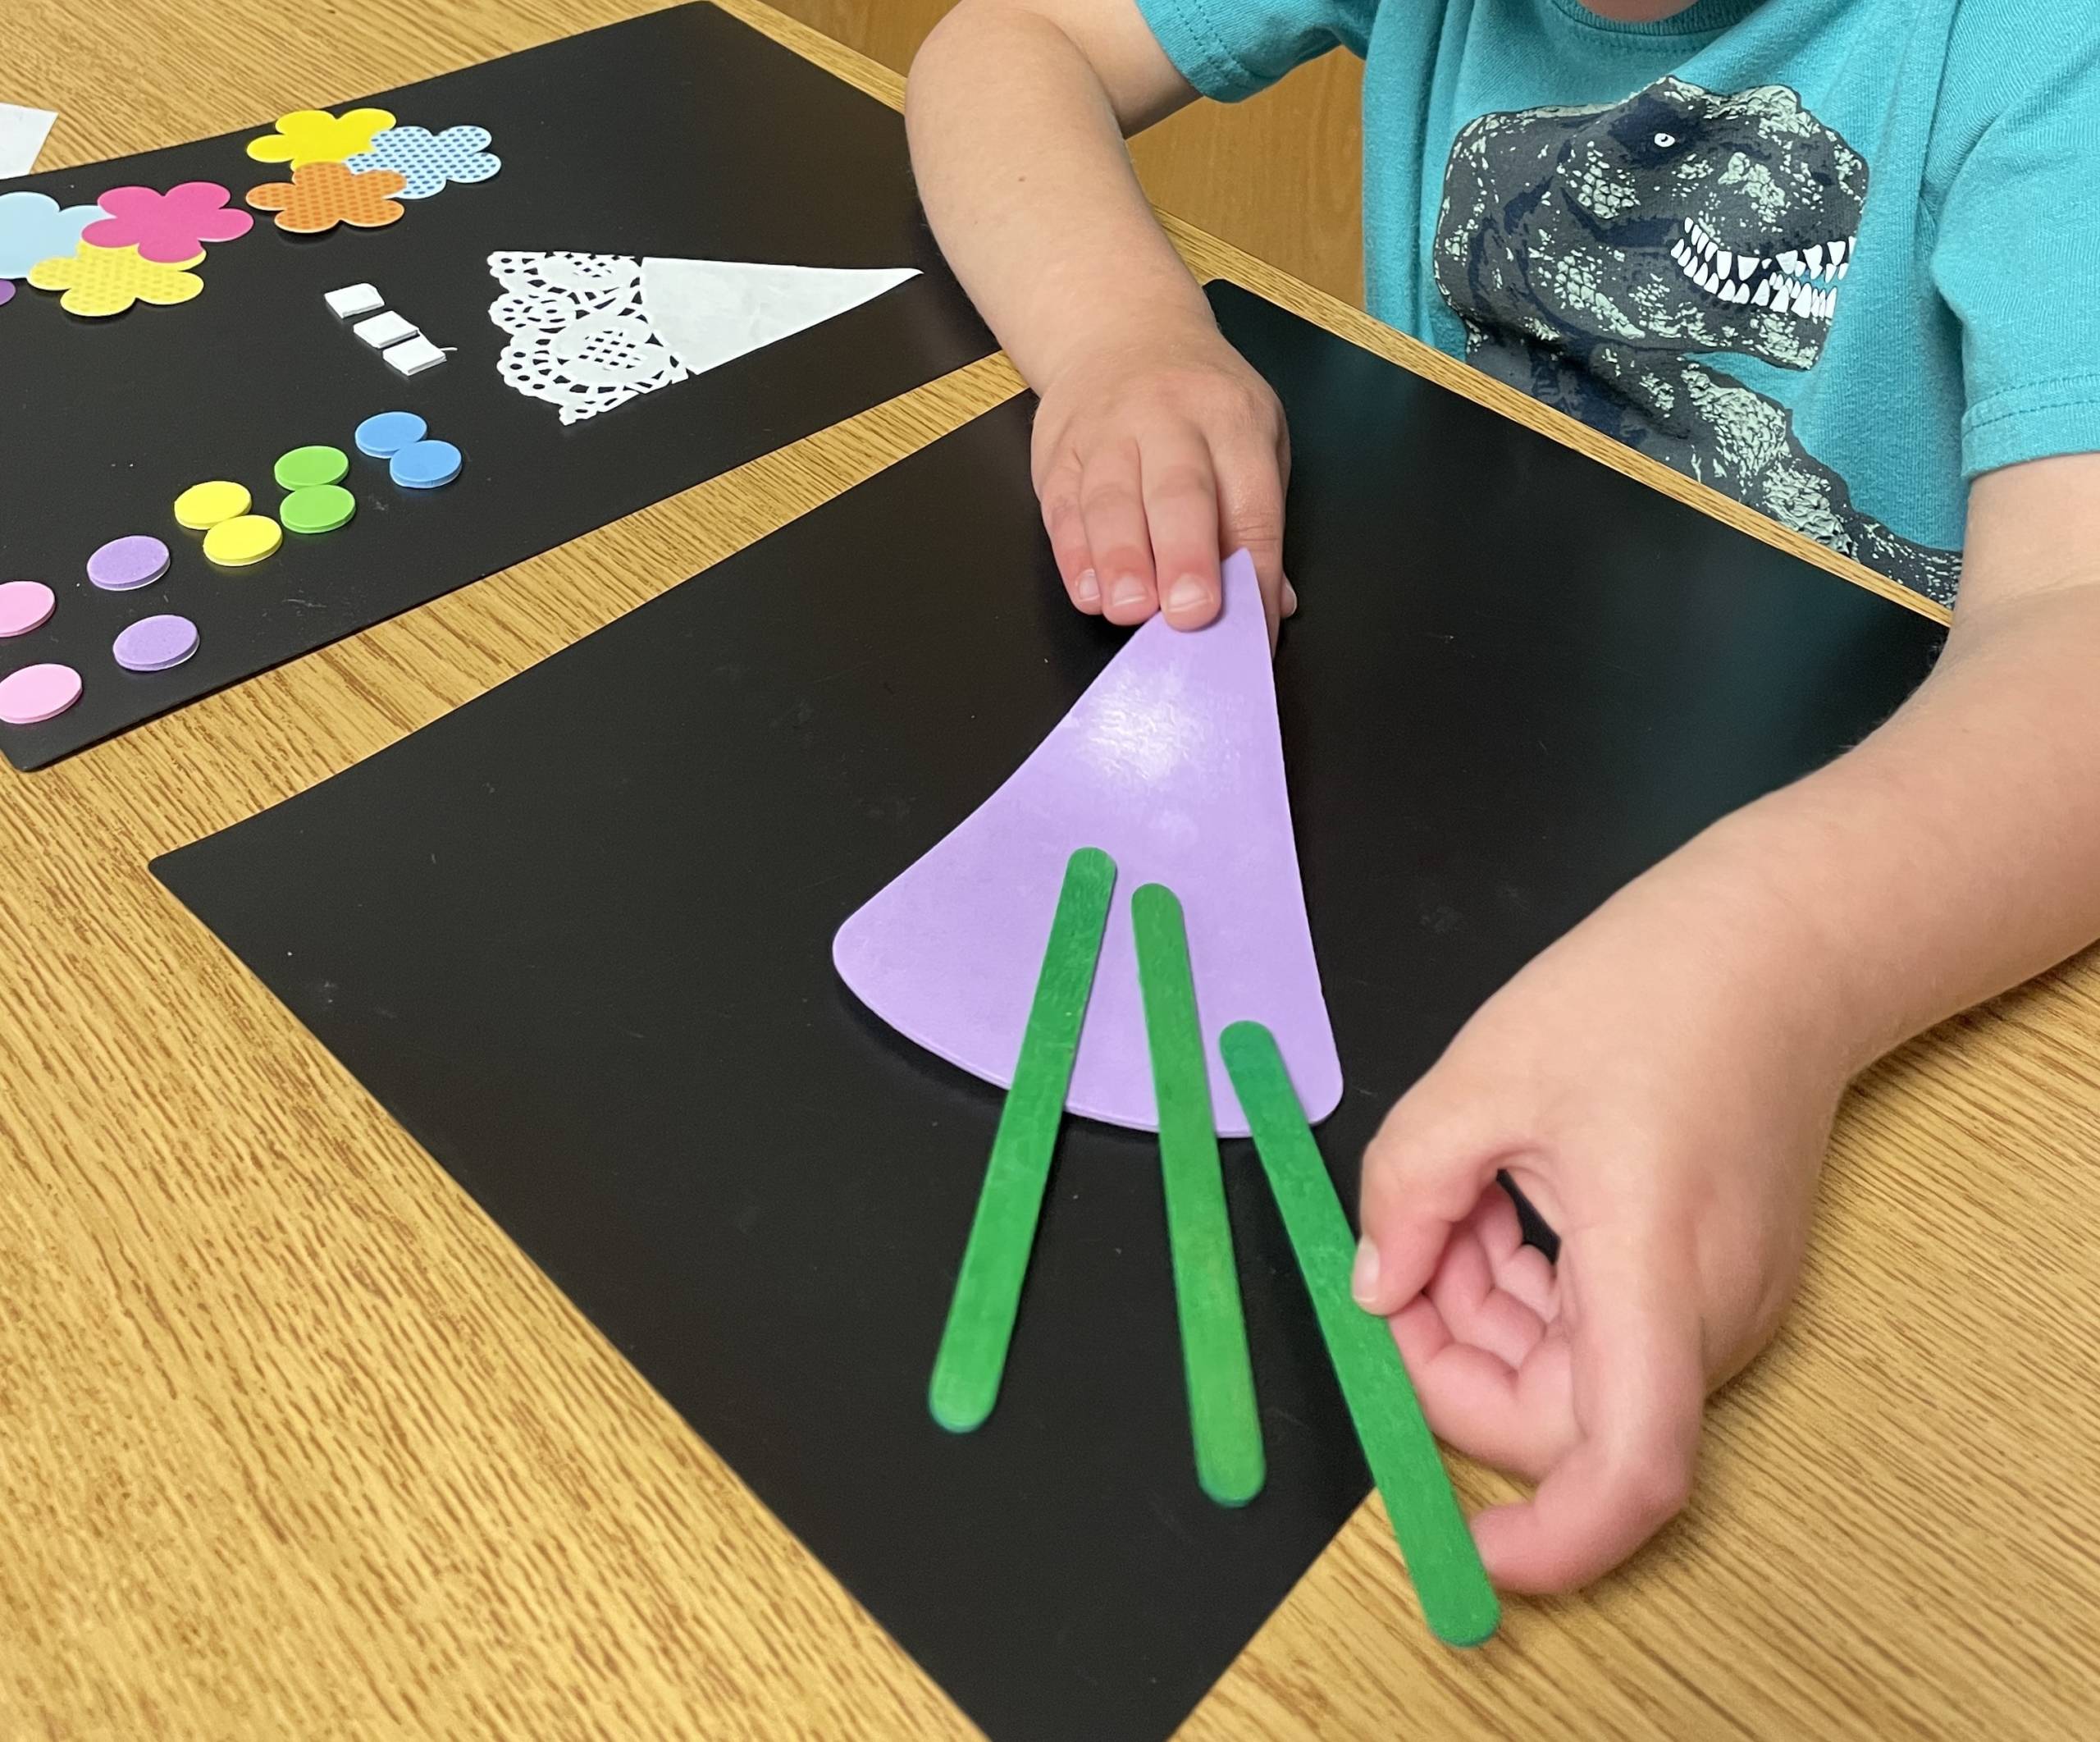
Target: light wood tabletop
[{"x": 295, "y": 1443}]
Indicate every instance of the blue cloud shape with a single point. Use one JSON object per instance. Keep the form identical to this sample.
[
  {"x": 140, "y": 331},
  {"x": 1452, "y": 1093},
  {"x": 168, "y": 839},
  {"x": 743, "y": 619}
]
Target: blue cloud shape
[{"x": 34, "y": 227}]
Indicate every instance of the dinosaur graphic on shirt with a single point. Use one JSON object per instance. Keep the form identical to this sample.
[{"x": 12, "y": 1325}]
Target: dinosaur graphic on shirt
[{"x": 1595, "y": 255}]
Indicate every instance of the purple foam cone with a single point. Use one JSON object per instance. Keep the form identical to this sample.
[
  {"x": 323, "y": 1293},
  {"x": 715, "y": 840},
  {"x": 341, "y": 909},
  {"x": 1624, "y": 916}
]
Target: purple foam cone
[{"x": 1172, "y": 764}]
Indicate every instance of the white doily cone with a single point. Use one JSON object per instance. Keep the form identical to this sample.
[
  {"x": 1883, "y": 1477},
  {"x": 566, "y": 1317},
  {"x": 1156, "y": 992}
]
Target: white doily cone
[{"x": 591, "y": 331}]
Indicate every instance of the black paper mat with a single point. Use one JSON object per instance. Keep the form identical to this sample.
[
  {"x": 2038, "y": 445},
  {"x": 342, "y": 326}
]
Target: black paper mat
[
  {"x": 683, "y": 133},
  {"x": 575, "y": 937}
]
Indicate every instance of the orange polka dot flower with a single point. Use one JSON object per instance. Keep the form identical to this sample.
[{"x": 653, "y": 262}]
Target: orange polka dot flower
[{"x": 321, "y": 195}]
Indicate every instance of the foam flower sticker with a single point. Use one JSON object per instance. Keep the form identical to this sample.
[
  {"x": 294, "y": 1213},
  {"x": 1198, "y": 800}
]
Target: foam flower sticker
[
  {"x": 107, "y": 281},
  {"x": 314, "y": 136},
  {"x": 7, "y": 292},
  {"x": 321, "y": 195},
  {"x": 169, "y": 229},
  {"x": 35, "y": 227},
  {"x": 456, "y": 154}
]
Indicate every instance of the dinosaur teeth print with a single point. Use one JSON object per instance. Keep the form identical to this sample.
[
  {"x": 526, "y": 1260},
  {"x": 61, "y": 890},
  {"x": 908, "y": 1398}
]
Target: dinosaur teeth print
[
  {"x": 1799, "y": 281},
  {"x": 1608, "y": 260}
]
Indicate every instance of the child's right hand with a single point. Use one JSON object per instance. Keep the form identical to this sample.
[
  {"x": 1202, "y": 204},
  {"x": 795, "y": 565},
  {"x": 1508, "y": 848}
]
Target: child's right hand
[{"x": 1154, "y": 456}]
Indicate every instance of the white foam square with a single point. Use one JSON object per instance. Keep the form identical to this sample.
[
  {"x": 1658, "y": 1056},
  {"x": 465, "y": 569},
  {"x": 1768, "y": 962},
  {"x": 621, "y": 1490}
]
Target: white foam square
[
  {"x": 413, "y": 356},
  {"x": 383, "y": 330},
  {"x": 354, "y": 300}
]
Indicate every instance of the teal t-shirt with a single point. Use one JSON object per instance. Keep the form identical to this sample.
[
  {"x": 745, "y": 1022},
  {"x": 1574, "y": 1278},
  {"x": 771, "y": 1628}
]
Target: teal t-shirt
[{"x": 1835, "y": 258}]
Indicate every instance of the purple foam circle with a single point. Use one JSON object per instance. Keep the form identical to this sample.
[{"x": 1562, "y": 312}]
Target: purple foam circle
[
  {"x": 138, "y": 560},
  {"x": 155, "y": 643}
]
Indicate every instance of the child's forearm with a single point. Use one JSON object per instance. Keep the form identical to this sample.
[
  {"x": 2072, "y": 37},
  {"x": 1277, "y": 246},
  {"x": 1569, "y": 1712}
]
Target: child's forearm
[
  {"x": 1017, "y": 112},
  {"x": 1956, "y": 851}
]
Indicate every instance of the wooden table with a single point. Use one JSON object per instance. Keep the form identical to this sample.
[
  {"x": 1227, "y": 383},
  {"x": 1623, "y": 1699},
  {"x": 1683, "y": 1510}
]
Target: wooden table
[{"x": 295, "y": 1443}]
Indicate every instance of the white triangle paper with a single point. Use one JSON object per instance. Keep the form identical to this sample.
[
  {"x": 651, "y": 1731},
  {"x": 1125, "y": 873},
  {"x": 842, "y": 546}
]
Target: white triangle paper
[{"x": 710, "y": 311}]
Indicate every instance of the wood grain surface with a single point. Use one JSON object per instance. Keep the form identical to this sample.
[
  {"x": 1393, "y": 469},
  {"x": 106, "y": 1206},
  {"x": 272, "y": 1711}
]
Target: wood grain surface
[
  {"x": 1279, "y": 176},
  {"x": 293, "y": 1443}
]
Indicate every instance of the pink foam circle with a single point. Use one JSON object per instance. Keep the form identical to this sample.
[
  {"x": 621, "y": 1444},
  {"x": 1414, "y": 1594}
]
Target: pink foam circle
[
  {"x": 37, "y": 693},
  {"x": 25, "y": 605}
]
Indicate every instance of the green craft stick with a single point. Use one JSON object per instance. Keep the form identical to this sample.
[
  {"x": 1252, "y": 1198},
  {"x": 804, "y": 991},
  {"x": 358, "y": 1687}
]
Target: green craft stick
[
  {"x": 1222, "y": 1417},
  {"x": 980, "y": 1325},
  {"x": 1457, "y": 1600}
]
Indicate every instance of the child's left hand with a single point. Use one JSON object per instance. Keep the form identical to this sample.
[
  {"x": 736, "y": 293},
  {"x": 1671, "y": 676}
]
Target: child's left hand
[{"x": 1655, "y": 1085}]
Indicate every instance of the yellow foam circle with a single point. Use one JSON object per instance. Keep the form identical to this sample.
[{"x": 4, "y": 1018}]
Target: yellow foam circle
[
  {"x": 235, "y": 544},
  {"x": 203, "y": 506}
]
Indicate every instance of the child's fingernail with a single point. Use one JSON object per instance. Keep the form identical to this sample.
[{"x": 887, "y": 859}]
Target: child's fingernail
[
  {"x": 1363, "y": 1280},
  {"x": 1089, "y": 588},
  {"x": 1289, "y": 598},
  {"x": 1188, "y": 595},
  {"x": 1129, "y": 590}
]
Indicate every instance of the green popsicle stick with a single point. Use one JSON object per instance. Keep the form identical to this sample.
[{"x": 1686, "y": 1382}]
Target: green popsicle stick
[
  {"x": 1222, "y": 1417},
  {"x": 980, "y": 1323},
  {"x": 1457, "y": 1600}
]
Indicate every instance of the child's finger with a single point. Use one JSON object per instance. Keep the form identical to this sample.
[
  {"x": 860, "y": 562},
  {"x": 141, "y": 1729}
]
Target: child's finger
[
  {"x": 1477, "y": 1402},
  {"x": 1639, "y": 1389},
  {"x": 1067, "y": 526},
  {"x": 1180, "y": 496},
  {"x": 1476, "y": 1308},
  {"x": 1423, "y": 1175},
  {"x": 1250, "y": 491},
  {"x": 1111, "y": 502},
  {"x": 1523, "y": 1271}
]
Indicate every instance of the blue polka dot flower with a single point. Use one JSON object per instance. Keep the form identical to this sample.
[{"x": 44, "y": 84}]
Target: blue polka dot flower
[{"x": 429, "y": 162}]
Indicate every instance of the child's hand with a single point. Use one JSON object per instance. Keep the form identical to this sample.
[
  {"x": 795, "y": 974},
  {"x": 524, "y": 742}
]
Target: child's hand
[
  {"x": 1654, "y": 1087},
  {"x": 1154, "y": 458}
]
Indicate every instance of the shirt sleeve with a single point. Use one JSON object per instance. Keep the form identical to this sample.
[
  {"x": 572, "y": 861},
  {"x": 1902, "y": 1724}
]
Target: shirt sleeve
[
  {"x": 2017, "y": 253},
  {"x": 1230, "y": 49}
]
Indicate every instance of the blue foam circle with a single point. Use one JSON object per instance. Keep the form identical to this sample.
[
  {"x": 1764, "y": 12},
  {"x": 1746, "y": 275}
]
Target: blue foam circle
[
  {"x": 424, "y": 465},
  {"x": 386, "y": 434}
]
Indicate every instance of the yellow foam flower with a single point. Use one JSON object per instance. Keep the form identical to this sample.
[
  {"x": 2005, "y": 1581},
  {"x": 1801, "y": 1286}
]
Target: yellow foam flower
[
  {"x": 107, "y": 281},
  {"x": 315, "y": 136}
]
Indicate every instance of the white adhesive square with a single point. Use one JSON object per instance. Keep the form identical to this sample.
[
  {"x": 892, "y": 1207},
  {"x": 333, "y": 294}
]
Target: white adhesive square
[
  {"x": 354, "y": 298},
  {"x": 413, "y": 356},
  {"x": 383, "y": 330}
]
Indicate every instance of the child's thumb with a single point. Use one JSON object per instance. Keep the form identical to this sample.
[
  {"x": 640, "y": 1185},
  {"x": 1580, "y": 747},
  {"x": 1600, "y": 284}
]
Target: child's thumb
[{"x": 1423, "y": 1174}]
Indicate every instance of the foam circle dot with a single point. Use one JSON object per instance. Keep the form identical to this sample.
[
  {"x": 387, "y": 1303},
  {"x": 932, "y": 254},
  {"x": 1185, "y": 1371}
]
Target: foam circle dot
[
  {"x": 235, "y": 544},
  {"x": 318, "y": 508},
  {"x": 307, "y": 466},
  {"x": 155, "y": 643},
  {"x": 37, "y": 693},
  {"x": 385, "y": 434},
  {"x": 203, "y": 506},
  {"x": 122, "y": 564},
  {"x": 25, "y": 605},
  {"x": 424, "y": 465}
]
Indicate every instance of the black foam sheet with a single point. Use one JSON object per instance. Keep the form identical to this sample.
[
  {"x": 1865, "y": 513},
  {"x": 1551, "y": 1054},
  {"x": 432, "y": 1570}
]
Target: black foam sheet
[
  {"x": 681, "y": 133},
  {"x": 575, "y": 937}
]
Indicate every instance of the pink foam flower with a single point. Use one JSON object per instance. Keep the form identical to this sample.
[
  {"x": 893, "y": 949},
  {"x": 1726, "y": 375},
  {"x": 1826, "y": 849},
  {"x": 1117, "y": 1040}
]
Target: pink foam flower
[{"x": 170, "y": 228}]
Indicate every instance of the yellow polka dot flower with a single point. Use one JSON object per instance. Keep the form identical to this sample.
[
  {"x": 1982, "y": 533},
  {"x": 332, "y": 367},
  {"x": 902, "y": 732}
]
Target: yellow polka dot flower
[
  {"x": 315, "y": 136},
  {"x": 107, "y": 281}
]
